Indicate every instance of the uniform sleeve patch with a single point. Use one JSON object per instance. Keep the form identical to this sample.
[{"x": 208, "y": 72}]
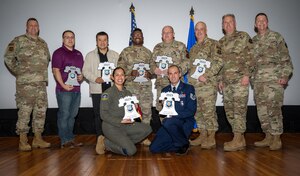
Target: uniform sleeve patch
[
  {"x": 193, "y": 96},
  {"x": 104, "y": 97},
  {"x": 286, "y": 45},
  {"x": 11, "y": 47}
]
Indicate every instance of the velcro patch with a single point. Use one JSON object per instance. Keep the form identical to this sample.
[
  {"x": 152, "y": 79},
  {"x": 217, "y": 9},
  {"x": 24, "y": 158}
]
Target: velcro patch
[
  {"x": 104, "y": 97},
  {"x": 11, "y": 47}
]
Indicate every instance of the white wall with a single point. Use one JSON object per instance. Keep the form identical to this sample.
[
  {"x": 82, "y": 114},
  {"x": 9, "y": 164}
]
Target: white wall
[{"x": 86, "y": 18}]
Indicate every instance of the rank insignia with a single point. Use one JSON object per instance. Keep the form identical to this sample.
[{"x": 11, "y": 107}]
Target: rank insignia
[{"x": 193, "y": 96}]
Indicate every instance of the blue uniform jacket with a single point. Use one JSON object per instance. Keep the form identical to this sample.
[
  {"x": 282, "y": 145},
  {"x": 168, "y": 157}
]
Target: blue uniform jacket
[
  {"x": 187, "y": 106},
  {"x": 175, "y": 131}
]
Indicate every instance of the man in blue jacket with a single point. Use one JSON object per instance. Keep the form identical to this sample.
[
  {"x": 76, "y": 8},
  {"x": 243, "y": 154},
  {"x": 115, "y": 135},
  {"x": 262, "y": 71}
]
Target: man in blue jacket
[{"x": 173, "y": 135}]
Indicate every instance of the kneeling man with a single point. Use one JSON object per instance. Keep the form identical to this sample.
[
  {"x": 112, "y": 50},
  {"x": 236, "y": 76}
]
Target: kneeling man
[{"x": 173, "y": 135}]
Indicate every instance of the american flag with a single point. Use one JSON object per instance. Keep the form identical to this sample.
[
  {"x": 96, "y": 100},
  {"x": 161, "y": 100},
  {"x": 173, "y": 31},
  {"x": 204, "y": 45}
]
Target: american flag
[{"x": 133, "y": 22}]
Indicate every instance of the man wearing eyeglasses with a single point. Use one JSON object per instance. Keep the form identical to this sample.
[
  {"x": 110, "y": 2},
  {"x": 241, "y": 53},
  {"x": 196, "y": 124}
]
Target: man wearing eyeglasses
[{"x": 67, "y": 63}]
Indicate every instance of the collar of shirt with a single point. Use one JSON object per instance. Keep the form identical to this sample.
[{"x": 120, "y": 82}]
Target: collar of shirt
[
  {"x": 67, "y": 49},
  {"x": 176, "y": 86}
]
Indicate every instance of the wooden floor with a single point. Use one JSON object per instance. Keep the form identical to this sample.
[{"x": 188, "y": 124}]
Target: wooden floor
[{"x": 84, "y": 161}]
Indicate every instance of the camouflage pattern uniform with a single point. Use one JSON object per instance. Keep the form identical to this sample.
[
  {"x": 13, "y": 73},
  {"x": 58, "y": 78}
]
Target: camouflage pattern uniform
[
  {"x": 143, "y": 91},
  {"x": 28, "y": 58},
  {"x": 237, "y": 56},
  {"x": 206, "y": 116},
  {"x": 272, "y": 63},
  {"x": 178, "y": 52}
]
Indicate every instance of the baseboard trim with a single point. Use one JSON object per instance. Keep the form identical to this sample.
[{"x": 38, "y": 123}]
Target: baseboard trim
[{"x": 84, "y": 123}]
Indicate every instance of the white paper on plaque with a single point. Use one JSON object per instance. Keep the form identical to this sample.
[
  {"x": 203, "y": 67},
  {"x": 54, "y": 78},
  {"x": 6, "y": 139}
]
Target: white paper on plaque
[
  {"x": 72, "y": 75},
  {"x": 129, "y": 107},
  {"x": 202, "y": 64},
  {"x": 164, "y": 62},
  {"x": 169, "y": 99},
  {"x": 106, "y": 70},
  {"x": 141, "y": 68}
]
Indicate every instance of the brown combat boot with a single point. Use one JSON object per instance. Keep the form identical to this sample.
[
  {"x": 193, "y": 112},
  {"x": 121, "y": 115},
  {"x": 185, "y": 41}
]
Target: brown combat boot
[
  {"x": 100, "y": 147},
  {"x": 199, "y": 140},
  {"x": 38, "y": 141},
  {"x": 275, "y": 143},
  {"x": 210, "y": 141},
  {"x": 238, "y": 143},
  {"x": 265, "y": 142},
  {"x": 23, "y": 144}
]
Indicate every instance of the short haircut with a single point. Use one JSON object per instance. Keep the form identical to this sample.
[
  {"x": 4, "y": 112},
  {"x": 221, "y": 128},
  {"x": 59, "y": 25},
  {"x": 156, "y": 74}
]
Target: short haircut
[
  {"x": 136, "y": 29},
  {"x": 31, "y": 19},
  {"x": 101, "y": 33},
  {"x": 176, "y": 66},
  {"x": 228, "y": 15},
  {"x": 63, "y": 34},
  {"x": 263, "y": 14},
  {"x": 168, "y": 27}
]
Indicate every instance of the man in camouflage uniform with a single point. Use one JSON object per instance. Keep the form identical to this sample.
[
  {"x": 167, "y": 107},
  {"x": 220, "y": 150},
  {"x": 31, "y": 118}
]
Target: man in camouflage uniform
[
  {"x": 236, "y": 49},
  {"x": 206, "y": 86},
  {"x": 130, "y": 56},
  {"x": 272, "y": 70},
  {"x": 173, "y": 49},
  {"x": 27, "y": 57}
]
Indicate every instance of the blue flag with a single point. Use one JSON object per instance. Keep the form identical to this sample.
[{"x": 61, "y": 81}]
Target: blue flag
[
  {"x": 133, "y": 22},
  {"x": 191, "y": 39}
]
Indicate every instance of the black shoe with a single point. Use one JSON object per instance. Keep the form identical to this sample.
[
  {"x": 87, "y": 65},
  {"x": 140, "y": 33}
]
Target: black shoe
[
  {"x": 67, "y": 145},
  {"x": 76, "y": 144},
  {"x": 183, "y": 150}
]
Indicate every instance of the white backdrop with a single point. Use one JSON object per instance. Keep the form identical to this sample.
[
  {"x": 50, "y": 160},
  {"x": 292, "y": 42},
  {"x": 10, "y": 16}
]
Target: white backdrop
[{"x": 86, "y": 18}]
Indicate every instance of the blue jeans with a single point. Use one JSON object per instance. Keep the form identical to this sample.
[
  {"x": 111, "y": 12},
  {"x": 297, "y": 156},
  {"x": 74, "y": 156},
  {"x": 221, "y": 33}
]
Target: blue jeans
[{"x": 68, "y": 104}]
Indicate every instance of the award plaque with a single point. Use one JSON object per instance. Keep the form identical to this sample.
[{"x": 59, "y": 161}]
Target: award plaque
[
  {"x": 164, "y": 62},
  {"x": 141, "y": 68},
  {"x": 169, "y": 99},
  {"x": 106, "y": 70},
  {"x": 72, "y": 75},
  {"x": 129, "y": 107},
  {"x": 202, "y": 64}
]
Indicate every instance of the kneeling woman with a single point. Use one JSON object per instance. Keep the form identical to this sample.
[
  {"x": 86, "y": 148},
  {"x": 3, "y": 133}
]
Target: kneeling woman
[{"x": 120, "y": 135}]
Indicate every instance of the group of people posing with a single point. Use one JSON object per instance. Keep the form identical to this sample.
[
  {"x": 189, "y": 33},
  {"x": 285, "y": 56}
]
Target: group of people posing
[{"x": 228, "y": 66}]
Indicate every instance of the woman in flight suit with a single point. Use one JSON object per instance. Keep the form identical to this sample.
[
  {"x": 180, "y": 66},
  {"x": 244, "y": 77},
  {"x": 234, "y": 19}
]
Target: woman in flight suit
[{"x": 120, "y": 135}]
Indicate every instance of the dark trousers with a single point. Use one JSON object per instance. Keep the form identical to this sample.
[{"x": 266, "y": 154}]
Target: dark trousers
[
  {"x": 155, "y": 121},
  {"x": 96, "y": 107},
  {"x": 172, "y": 135}
]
